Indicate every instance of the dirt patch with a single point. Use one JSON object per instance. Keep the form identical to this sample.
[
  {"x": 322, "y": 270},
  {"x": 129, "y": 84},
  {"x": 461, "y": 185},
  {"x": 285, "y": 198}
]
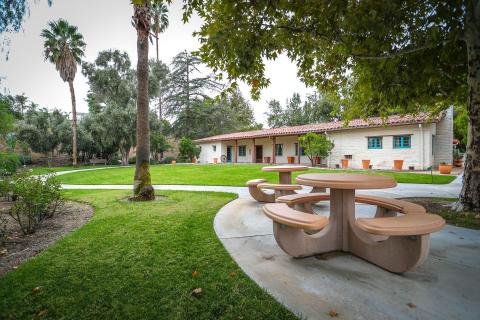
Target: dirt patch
[
  {"x": 443, "y": 207},
  {"x": 70, "y": 216}
]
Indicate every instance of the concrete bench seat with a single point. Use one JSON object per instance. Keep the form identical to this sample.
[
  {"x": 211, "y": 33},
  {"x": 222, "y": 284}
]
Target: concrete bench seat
[
  {"x": 280, "y": 189},
  {"x": 386, "y": 206},
  {"x": 257, "y": 193},
  {"x": 413, "y": 224},
  {"x": 283, "y": 214}
]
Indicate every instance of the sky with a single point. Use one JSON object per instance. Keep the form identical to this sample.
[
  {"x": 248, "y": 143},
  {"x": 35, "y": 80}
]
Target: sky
[{"x": 105, "y": 25}]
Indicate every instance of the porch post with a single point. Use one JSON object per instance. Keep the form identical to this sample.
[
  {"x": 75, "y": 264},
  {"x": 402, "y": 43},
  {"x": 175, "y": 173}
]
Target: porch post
[
  {"x": 298, "y": 147},
  {"x": 273, "y": 149},
  {"x": 236, "y": 152},
  {"x": 254, "y": 152}
]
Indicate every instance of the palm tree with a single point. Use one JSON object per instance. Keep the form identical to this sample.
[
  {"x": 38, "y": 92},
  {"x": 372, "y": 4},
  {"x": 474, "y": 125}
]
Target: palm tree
[
  {"x": 64, "y": 47},
  {"x": 142, "y": 187},
  {"x": 159, "y": 25}
]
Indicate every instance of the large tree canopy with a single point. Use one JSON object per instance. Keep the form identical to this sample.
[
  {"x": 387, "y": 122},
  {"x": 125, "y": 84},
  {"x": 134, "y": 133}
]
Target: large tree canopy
[{"x": 374, "y": 56}]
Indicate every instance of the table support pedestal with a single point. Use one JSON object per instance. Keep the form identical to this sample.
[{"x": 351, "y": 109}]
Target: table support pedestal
[{"x": 285, "y": 177}]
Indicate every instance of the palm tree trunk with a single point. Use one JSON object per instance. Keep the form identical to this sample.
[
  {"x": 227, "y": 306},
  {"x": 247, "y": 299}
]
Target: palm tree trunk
[
  {"x": 74, "y": 124},
  {"x": 470, "y": 194},
  {"x": 142, "y": 188}
]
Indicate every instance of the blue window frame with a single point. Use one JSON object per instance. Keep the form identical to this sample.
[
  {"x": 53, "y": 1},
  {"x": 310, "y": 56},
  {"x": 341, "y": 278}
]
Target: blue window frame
[
  {"x": 401, "y": 142},
  {"x": 214, "y": 148},
  {"x": 375, "y": 142},
  {"x": 279, "y": 150},
  {"x": 242, "y": 151}
]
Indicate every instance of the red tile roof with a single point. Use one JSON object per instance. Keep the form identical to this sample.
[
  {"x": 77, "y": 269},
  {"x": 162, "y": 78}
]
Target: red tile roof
[{"x": 374, "y": 122}]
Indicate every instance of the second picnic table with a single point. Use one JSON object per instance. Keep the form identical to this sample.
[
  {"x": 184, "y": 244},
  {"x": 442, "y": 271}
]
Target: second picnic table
[{"x": 285, "y": 172}]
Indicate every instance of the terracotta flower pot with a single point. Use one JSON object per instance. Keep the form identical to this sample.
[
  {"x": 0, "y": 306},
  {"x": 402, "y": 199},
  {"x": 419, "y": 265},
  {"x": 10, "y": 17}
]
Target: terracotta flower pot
[
  {"x": 397, "y": 164},
  {"x": 344, "y": 163},
  {"x": 215, "y": 160},
  {"x": 194, "y": 160},
  {"x": 458, "y": 163},
  {"x": 174, "y": 161},
  {"x": 366, "y": 164},
  {"x": 445, "y": 168}
]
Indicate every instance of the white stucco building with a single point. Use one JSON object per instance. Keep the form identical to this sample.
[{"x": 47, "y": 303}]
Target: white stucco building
[{"x": 420, "y": 141}]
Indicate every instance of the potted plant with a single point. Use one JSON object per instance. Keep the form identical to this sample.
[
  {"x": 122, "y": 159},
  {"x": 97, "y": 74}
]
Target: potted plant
[
  {"x": 366, "y": 164},
  {"x": 457, "y": 158},
  {"x": 397, "y": 164},
  {"x": 445, "y": 168}
]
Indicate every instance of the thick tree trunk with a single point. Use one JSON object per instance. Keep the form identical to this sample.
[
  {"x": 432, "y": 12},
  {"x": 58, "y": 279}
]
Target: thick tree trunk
[
  {"x": 74, "y": 124},
  {"x": 142, "y": 188},
  {"x": 470, "y": 194}
]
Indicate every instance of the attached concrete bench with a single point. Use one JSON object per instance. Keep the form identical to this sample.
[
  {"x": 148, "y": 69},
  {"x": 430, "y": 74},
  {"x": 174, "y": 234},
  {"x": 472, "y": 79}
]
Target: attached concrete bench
[
  {"x": 386, "y": 206},
  {"x": 412, "y": 224},
  {"x": 257, "y": 193},
  {"x": 282, "y": 213},
  {"x": 395, "y": 243},
  {"x": 280, "y": 189}
]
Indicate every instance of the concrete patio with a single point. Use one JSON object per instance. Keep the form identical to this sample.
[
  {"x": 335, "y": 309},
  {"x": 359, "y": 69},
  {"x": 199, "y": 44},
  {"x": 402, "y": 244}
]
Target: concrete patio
[{"x": 446, "y": 286}]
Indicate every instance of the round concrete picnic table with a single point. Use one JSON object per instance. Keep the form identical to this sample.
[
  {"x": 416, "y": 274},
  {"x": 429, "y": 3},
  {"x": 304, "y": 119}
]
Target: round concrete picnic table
[
  {"x": 342, "y": 227},
  {"x": 285, "y": 172}
]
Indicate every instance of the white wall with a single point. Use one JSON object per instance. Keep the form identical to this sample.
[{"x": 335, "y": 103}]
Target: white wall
[
  {"x": 443, "y": 149},
  {"x": 355, "y": 143},
  {"x": 207, "y": 154}
]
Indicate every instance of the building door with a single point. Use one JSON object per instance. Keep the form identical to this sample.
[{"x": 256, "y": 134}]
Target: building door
[
  {"x": 258, "y": 154},
  {"x": 229, "y": 153}
]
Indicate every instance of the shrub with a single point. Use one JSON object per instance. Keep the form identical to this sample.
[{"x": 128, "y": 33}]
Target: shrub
[
  {"x": 3, "y": 230},
  {"x": 167, "y": 160},
  {"x": 9, "y": 163},
  {"x": 187, "y": 150},
  {"x": 36, "y": 199}
]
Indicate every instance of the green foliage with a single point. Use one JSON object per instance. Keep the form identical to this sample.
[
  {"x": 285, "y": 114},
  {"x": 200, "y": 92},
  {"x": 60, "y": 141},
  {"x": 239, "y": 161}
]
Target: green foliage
[
  {"x": 187, "y": 150},
  {"x": 188, "y": 89},
  {"x": 158, "y": 144},
  {"x": 64, "y": 47},
  {"x": 36, "y": 199},
  {"x": 315, "y": 145},
  {"x": 460, "y": 125},
  {"x": 9, "y": 163},
  {"x": 43, "y": 130},
  {"x": 315, "y": 109},
  {"x": 6, "y": 116},
  {"x": 167, "y": 160},
  {"x": 378, "y": 55}
]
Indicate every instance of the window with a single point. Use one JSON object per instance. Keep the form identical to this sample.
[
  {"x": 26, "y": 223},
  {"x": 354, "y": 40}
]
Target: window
[
  {"x": 296, "y": 148},
  {"x": 401, "y": 142},
  {"x": 214, "y": 148},
  {"x": 302, "y": 151},
  {"x": 375, "y": 142},
  {"x": 242, "y": 151},
  {"x": 279, "y": 149}
]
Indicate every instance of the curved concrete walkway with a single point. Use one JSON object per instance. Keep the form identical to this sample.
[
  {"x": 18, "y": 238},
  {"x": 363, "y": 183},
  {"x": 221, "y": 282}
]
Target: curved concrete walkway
[{"x": 444, "y": 287}]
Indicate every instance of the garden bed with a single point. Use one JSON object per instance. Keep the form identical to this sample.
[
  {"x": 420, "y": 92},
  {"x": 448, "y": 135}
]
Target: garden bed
[{"x": 19, "y": 247}]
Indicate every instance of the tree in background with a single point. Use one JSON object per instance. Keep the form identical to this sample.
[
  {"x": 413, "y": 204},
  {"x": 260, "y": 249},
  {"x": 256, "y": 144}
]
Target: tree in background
[
  {"x": 315, "y": 146},
  {"x": 43, "y": 130},
  {"x": 159, "y": 25},
  {"x": 187, "y": 150},
  {"x": 64, "y": 47},
  {"x": 400, "y": 55},
  {"x": 188, "y": 89},
  {"x": 6, "y": 116},
  {"x": 460, "y": 125},
  {"x": 315, "y": 109},
  {"x": 142, "y": 187},
  {"x": 158, "y": 144}
]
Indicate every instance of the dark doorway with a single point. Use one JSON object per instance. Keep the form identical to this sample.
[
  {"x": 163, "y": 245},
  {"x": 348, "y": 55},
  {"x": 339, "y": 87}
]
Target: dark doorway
[
  {"x": 258, "y": 154},
  {"x": 229, "y": 153}
]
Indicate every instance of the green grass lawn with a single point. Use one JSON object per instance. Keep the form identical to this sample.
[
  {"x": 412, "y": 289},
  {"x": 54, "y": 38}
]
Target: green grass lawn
[
  {"x": 221, "y": 175},
  {"x": 43, "y": 170},
  {"x": 135, "y": 261}
]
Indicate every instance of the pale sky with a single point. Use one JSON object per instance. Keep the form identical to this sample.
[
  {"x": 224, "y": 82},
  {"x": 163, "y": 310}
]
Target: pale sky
[{"x": 105, "y": 25}]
